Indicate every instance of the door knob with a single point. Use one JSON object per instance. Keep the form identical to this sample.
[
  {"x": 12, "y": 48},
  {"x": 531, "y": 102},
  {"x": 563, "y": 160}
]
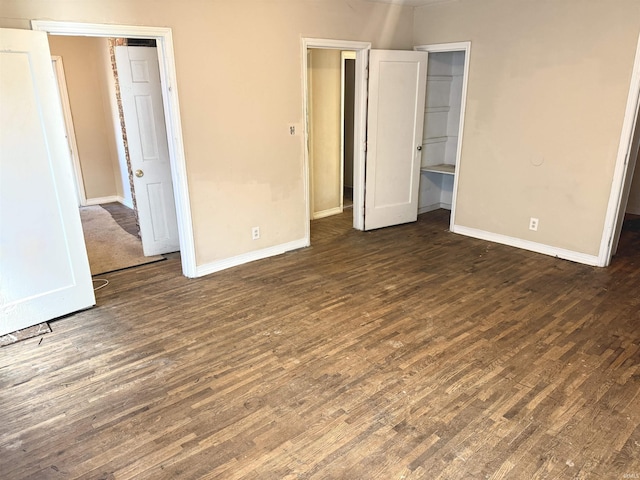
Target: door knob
[
  {"x": 139, "y": 173},
  {"x": 419, "y": 148}
]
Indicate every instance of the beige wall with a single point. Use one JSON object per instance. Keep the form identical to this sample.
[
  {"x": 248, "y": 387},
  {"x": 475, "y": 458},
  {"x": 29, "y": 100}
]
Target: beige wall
[
  {"x": 324, "y": 113},
  {"x": 240, "y": 85},
  {"x": 86, "y": 72},
  {"x": 548, "y": 84}
]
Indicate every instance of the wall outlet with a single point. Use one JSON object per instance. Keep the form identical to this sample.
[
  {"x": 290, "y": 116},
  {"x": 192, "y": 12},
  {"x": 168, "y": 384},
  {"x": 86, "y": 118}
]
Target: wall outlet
[
  {"x": 255, "y": 233},
  {"x": 533, "y": 224}
]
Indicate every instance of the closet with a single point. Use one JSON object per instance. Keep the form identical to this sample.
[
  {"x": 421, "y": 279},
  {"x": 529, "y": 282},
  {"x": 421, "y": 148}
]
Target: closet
[{"x": 446, "y": 87}]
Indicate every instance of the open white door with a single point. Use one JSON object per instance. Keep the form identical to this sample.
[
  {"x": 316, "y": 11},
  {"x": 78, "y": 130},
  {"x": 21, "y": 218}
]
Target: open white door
[
  {"x": 397, "y": 87},
  {"x": 44, "y": 271},
  {"x": 630, "y": 161},
  {"x": 141, "y": 93}
]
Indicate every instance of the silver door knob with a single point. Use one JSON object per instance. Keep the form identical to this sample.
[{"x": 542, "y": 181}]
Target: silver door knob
[
  {"x": 139, "y": 173},
  {"x": 419, "y": 148}
]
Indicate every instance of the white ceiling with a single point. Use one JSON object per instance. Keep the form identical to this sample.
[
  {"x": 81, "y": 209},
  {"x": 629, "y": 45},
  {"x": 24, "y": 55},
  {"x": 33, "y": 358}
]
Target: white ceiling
[{"x": 412, "y": 3}]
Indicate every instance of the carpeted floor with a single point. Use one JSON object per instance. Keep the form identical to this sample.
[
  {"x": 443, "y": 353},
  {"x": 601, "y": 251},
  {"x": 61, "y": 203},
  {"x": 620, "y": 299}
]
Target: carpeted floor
[{"x": 109, "y": 246}]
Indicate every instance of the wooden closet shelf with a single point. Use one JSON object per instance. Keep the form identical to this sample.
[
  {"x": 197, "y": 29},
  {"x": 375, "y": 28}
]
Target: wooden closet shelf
[{"x": 442, "y": 168}]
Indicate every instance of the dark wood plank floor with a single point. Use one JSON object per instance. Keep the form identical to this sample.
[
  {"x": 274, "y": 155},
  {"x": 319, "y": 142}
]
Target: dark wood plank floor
[
  {"x": 404, "y": 353},
  {"x": 123, "y": 216}
]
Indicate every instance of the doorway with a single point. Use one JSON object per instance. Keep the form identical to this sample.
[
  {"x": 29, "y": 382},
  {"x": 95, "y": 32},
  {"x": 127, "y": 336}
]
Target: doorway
[
  {"x": 447, "y": 75},
  {"x": 361, "y": 51},
  {"x": 331, "y": 88},
  {"x": 623, "y": 176},
  {"x": 97, "y": 91},
  {"x": 163, "y": 38},
  {"x": 347, "y": 105}
]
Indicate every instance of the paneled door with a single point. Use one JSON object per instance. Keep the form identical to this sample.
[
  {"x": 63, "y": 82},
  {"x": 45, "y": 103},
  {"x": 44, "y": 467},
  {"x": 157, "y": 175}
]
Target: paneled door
[
  {"x": 397, "y": 84},
  {"x": 44, "y": 270},
  {"x": 140, "y": 89}
]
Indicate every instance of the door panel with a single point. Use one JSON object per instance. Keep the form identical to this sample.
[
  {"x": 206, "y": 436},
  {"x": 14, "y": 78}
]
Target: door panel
[
  {"x": 397, "y": 83},
  {"x": 44, "y": 270},
  {"x": 140, "y": 89}
]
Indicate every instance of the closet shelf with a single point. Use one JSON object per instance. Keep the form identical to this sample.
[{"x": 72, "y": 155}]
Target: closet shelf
[
  {"x": 442, "y": 109},
  {"x": 442, "y": 168},
  {"x": 440, "y": 78},
  {"x": 442, "y": 139}
]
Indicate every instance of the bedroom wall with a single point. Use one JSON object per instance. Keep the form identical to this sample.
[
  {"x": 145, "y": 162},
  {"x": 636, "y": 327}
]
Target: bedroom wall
[
  {"x": 86, "y": 74},
  {"x": 548, "y": 85},
  {"x": 240, "y": 85},
  {"x": 324, "y": 123}
]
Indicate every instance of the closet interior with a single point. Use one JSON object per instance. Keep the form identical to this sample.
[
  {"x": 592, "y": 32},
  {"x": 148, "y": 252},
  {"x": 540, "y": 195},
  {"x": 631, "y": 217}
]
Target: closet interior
[{"x": 445, "y": 79}]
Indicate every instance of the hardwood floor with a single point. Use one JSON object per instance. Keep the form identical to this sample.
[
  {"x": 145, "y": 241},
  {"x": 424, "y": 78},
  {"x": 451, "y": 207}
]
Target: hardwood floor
[
  {"x": 403, "y": 353},
  {"x": 123, "y": 216}
]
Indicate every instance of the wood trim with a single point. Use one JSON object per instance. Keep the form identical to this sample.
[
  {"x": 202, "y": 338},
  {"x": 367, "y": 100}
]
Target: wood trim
[
  {"x": 99, "y": 200},
  {"x": 220, "y": 265},
  {"x": 434, "y": 206},
  {"x": 360, "y": 119},
  {"x": 123, "y": 201},
  {"x": 61, "y": 80},
  {"x": 344, "y": 56},
  {"x": 611, "y": 226},
  {"x": 166, "y": 58},
  {"x": 527, "y": 245},
  {"x": 455, "y": 47},
  {"x": 327, "y": 213}
]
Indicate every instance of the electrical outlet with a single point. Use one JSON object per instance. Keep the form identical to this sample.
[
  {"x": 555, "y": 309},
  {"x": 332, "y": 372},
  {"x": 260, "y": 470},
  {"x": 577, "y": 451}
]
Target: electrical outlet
[
  {"x": 533, "y": 224},
  {"x": 255, "y": 233},
  {"x": 292, "y": 130}
]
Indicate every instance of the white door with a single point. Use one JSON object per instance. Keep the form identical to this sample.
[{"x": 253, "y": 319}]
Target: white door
[
  {"x": 632, "y": 155},
  {"x": 44, "y": 271},
  {"x": 397, "y": 86},
  {"x": 140, "y": 89}
]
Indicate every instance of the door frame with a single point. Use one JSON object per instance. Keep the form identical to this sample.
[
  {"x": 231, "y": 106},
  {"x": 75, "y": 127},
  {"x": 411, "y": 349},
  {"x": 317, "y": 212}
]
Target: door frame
[
  {"x": 623, "y": 170},
  {"x": 454, "y": 47},
  {"x": 61, "y": 81},
  {"x": 168, "y": 79},
  {"x": 344, "y": 56},
  {"x": 360, "y": 124}
]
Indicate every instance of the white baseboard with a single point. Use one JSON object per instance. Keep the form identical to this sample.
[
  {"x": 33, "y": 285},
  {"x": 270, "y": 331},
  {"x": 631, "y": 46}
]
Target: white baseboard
[
  {"x": 124, "y": 202},
  {"x": 578, "y": 257},
  {"x": 202, "y": 270},
  {"x": 434, "y": 206},
  {"x": 326, "y": 213},
  {"x": 99, "y": 200}
]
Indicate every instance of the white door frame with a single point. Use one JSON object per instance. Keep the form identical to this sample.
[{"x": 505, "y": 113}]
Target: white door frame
[
  {"x": 624, "y": 167},
  {"x": 166, "y": 58},
  {"x": 344, "y": 56},
  {"x": 455, "y": 47},
  {"x": 61, "y": 80},
  {"x": 360, "y": 124}
]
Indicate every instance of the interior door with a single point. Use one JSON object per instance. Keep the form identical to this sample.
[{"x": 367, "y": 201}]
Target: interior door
[
  {"x": 140, "y": 90},
  {"x": 44, "y": 270},
  {"x": 397, "y": 89},
  {"x": 632, "y": 155}
]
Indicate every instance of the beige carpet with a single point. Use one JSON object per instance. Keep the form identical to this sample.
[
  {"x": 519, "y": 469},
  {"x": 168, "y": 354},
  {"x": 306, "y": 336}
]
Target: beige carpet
[{"x": 109, "y": 246}]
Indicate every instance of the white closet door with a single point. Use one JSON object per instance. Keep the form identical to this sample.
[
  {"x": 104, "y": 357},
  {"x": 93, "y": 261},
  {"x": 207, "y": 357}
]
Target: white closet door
[
  {"x": 140, "y": 89},
  {"x": 44, "y": 271},
  {"x": 397, "y": 84}
]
